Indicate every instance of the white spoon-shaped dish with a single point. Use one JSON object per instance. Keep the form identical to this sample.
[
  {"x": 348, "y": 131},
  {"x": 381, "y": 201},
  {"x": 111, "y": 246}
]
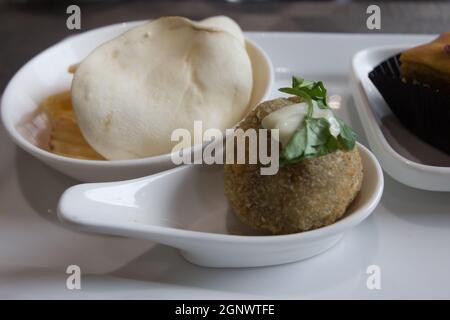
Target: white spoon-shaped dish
[{"x": 186, "y": 208}]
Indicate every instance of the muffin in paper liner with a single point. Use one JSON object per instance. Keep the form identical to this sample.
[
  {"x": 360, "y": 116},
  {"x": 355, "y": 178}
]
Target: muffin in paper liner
[{"x": 421, "y": 109}]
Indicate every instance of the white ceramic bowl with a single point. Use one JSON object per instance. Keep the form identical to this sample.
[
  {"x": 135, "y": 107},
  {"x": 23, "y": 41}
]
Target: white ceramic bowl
[
  {"x": 47, "y": 74},
  {"x": 185, "y": 208},
  {"x": 403, "y": 155}
]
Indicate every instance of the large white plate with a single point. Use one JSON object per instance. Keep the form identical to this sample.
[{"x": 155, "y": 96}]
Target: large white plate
[
  {"x": 407, "y": 236},
  {"x": 404, "y": 156}
]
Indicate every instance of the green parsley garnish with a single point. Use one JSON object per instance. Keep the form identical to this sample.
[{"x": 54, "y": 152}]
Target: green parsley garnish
[
  {"x": 309, "y": 91},
  {"x": 313, "y": 137}
]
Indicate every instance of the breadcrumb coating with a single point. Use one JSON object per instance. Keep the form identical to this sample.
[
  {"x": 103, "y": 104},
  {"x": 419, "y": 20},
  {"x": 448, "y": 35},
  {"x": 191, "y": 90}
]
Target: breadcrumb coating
[{"x": 307, "y": 195}]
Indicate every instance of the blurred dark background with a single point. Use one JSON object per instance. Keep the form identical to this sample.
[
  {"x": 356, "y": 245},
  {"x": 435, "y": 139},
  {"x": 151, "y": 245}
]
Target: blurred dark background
[{"x": 28, "y": 27}]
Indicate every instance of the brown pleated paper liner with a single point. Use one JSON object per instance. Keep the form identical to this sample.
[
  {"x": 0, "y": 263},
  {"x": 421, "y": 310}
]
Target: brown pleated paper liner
[{"x": 421, "y": 109}]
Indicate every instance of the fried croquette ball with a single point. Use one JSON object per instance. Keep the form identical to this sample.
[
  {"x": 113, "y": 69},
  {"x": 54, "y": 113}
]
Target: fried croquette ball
[{"x": 303, "y": 196}]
